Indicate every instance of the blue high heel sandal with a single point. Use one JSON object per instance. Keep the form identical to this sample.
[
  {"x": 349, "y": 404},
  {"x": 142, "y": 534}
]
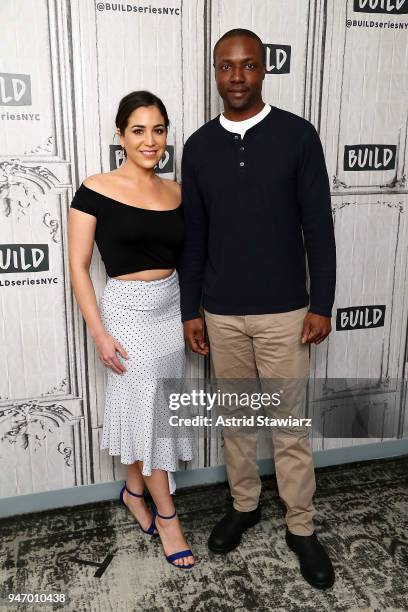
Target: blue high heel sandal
[
  {"x": 152, "y": 529},
  {"x": 178, "y": 555}
]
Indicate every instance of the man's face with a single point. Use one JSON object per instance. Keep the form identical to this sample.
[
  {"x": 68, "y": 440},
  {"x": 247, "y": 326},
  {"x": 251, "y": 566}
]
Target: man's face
[{"x": 239, "y": 72}]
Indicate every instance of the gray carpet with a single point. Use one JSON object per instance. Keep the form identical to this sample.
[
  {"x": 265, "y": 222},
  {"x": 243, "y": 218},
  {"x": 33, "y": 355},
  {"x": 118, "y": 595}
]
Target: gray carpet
[{"x": 362, "y": 520}]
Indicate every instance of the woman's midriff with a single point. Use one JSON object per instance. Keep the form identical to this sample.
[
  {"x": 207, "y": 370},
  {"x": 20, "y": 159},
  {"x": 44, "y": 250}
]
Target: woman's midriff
[{"x": 146, "y": 275}]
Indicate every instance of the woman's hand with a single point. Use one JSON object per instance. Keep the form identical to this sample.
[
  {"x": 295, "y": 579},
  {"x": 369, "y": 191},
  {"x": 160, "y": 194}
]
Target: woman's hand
[{"x": 107, "y": 347}]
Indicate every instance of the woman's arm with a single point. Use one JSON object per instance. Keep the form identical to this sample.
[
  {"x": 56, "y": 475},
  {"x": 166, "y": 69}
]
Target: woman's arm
[{"x": 81, "y": 236}]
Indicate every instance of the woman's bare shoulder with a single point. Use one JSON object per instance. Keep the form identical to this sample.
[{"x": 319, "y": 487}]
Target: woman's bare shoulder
[
  {"x": 104, "y": 179},
  {"x": 173, "y": 186}
]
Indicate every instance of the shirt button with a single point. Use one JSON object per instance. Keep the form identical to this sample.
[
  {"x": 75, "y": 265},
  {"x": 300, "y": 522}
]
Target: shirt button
[
  {"x": 242, "y": 164},
  {"x": 236, "y": 136},
  {"x": 242, "y": 148}
]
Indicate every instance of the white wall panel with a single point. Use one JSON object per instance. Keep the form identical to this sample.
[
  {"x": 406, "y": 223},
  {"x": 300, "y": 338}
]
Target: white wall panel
[
  {"x": 372, "y": 250},
  {"x": 29, "y": 103},
  {"x": 365, "y": 92},
  {"x": 42, "y": 423}
]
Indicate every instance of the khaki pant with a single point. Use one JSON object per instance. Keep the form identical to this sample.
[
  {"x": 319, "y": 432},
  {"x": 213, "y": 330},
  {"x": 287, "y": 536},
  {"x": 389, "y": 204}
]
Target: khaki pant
[{"x": 266, "y": 346}]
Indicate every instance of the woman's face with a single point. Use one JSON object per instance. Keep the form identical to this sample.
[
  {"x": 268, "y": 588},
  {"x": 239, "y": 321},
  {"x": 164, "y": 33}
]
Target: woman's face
[{"x": 145, "y": 136}]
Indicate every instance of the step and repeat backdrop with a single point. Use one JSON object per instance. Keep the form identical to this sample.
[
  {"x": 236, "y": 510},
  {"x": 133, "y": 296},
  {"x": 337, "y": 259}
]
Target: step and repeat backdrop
[{"x": 65, "y": 64}]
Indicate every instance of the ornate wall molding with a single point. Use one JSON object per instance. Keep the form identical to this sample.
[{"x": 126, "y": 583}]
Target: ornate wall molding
[
  {"x": 32, "y": 421},
  {"x": 30, "y": 181}
]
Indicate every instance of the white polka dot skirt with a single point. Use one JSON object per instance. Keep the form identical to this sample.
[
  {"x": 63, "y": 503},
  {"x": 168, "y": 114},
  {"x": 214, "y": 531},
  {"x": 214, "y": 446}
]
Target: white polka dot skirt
[{"x": 144, "y": 316}]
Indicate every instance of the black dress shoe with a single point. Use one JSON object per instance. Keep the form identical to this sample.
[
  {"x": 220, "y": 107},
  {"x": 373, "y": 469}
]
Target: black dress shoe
[
  {"x": 315, "y": 565},
  {"x": 226, "y": 535}
]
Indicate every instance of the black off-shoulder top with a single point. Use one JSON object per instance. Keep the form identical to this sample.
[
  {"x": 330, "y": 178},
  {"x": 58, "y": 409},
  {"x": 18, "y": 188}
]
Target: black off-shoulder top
[{"x": 131, "y": 238}]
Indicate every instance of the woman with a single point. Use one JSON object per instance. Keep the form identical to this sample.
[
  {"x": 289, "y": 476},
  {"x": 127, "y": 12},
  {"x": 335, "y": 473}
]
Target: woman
[{"x": 135, "y": 218}]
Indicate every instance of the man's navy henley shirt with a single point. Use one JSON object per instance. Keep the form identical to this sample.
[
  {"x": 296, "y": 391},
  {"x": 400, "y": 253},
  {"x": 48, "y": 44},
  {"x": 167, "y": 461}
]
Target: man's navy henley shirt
[{"x": 252, "y": 208}]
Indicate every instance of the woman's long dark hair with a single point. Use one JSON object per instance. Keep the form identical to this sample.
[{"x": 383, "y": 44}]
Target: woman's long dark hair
[{"x": 135, "y": 100}]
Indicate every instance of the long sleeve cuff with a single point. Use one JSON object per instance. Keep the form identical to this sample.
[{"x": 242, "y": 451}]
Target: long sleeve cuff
[
  {"x": 324, "y": 311},
  {"x": 190, "y": 300}
]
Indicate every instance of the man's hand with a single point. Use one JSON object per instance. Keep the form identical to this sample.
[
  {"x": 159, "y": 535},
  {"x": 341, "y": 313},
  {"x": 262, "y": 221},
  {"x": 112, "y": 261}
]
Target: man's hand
[
  {"x": 194, "y": 335},
  {"x": 315, "y": 328}
]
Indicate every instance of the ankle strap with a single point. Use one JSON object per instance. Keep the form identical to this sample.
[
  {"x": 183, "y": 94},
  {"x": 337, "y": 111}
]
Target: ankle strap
[
  {"x": 134, "y": 494},
  {"x": 166, "y": 517}
]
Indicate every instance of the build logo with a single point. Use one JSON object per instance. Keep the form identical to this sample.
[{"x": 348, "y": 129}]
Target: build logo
[
  {"x": 23, "y": 258},
  {"x": 369, "y": 157},
  {"x": 390, "y": 7},
  {"x": 277, "y": 59},
  {"x": 360, "y": 317},
  {"x": 165, "y": 165},
  {"x": 15, "y": 89}
]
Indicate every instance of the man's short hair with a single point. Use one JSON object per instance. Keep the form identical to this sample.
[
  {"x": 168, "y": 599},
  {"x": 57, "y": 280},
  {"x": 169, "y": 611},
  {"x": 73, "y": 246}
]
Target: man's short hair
[{"x": 241, "y": 32}]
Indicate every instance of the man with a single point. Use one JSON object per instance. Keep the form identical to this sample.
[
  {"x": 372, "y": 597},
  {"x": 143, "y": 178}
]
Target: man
[{"x": 256, "y": 196}]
